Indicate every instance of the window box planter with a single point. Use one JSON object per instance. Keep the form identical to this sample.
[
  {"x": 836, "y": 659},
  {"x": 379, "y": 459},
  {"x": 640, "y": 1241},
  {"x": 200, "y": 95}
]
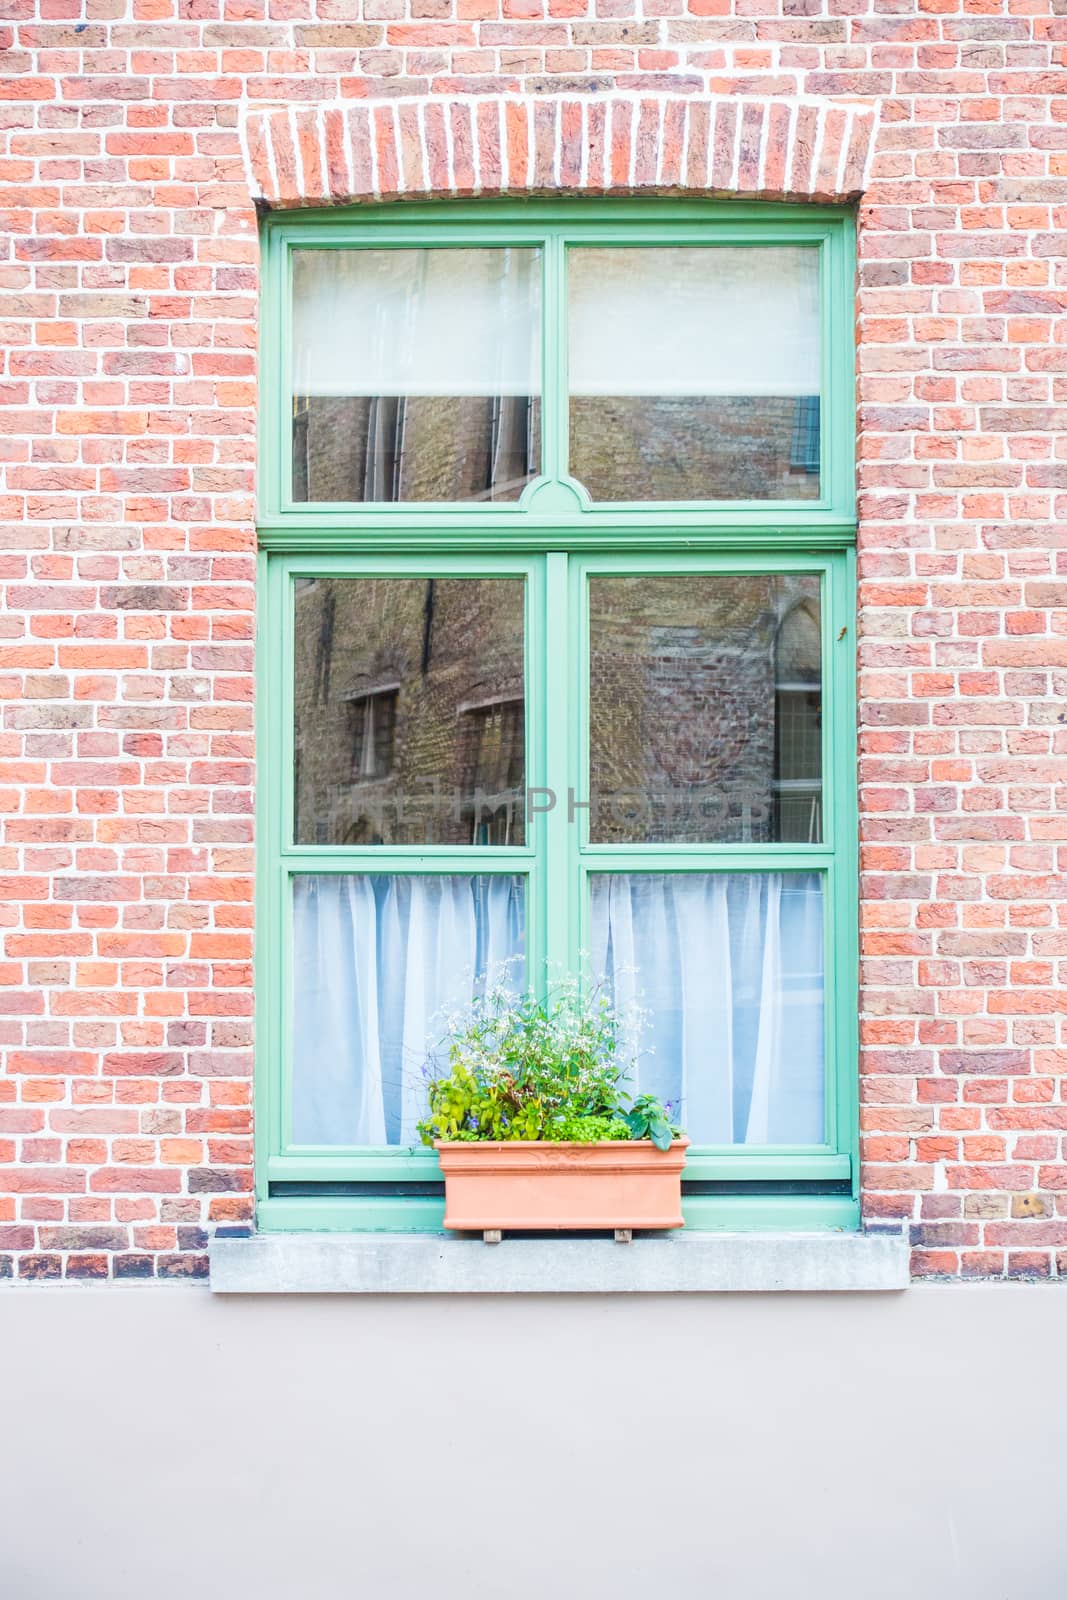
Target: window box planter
[{"x": 533, "y": 1186}]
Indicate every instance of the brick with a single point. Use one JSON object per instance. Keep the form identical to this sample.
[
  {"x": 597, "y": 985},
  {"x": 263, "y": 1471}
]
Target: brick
[{"x": 128, "y": 307}]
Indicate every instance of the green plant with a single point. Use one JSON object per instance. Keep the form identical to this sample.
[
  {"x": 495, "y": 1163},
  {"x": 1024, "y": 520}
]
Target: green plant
[
  {"x": 647, "y": 1119},
  {"x": 526, "y": 1068}
]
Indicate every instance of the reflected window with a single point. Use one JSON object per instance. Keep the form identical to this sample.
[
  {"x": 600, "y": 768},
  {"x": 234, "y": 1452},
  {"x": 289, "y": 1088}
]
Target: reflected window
[
  {"x": 494, "y": 801},
  {"x": 372, "y": 717},
  {"x": 416, "y": 374},
  {"x": 806, "y": 435},
  {"x": 691, "y": 372},
  {"x": 408, "y": 698},
  {"x": 697, "y": 731},
  {"x": 798, "y": 726}
]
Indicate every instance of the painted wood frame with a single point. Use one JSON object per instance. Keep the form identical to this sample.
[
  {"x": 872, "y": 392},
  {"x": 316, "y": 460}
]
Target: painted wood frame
[{"x": 555, "y": 539}]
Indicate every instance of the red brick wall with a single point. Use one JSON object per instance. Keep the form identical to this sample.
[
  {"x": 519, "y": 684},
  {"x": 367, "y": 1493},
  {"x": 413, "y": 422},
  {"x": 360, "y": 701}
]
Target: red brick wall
[{"x": 128, "y": 288}]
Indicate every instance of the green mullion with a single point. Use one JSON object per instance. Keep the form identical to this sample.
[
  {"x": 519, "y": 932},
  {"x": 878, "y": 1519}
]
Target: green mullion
[
  {"x": 537, "y": 724},
  {"x": 559, "y": 910},
  {"x": 392, "y": 563},
  {"x": 271, "y": 950},
  {"x": 619, "y": 562},
  {"x": 705, "y": 858},
  {"x": 842, "y": 912},
  {"x": 829, "y": 628},
  {"x": 467, "y": 859},
  {"x": 284, "y": 1118},
  {"x": 579, "y": 632},
  {"x": 479, "y": 528},
  {"x": 286, "y": 704}
]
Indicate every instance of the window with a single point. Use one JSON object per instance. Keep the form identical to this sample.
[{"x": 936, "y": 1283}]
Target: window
[
  {"x": 495, "y": 798},
  {"x": 798, "y": 719},
  {"x": 556, "y": 671},
  {"x": 687, "y": 369},
  {"x": 415, "y": 373},
  {"x": 373, "y": 723}
]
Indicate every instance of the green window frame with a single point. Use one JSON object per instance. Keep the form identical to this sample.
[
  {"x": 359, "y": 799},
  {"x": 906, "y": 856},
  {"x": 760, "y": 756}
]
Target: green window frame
[{"x": 556, "y": 539}]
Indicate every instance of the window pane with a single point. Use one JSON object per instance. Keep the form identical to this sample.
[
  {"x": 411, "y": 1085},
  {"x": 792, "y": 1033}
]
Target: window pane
[
  {"x": 409, "y": 711},
  {"x": 705, "y": 709},
  {"x": 727, "y": 969},
  {"x": 694, "y": 373},
  {"x": 378, "y": 962},
  {"x": 416, "y": 374}
]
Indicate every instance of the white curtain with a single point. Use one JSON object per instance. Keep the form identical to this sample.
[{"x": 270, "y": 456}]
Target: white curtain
[
  {"x": 728, "y": 971},
  {"x": 417, "y": 322},
  {"x": 377, "y": 961},
  {"x": 695, "y": 320}
]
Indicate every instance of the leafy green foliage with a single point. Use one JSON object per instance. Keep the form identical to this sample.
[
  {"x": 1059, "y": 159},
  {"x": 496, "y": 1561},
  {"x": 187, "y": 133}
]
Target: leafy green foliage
[
  {"x": 647, "y": 1119},
  {"x": 588, "y": 1130},
  {"x": 556, "y": 1069}
]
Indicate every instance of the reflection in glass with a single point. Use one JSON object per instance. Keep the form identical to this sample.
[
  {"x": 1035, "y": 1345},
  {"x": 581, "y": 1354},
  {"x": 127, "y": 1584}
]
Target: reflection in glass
[
  {"x": 798, "y": 725},
  {"x": 378, "y": 963},
  {"x": 416, "y": 374},
  {"x": 409, "y": 711},
  {"x": 694, "y": 373},
  {"x": 727, "y": 971},
  {"x": 705, "y": 709}
]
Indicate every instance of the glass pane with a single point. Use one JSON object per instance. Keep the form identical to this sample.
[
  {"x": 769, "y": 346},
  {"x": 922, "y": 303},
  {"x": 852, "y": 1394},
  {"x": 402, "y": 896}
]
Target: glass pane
[
  {"x": 378, "y": 963},
  {"x": 725, "y": 972},
  {"x": 409, "y": 711},
  {"x": 694, "y": 373},
  {"x": 705, "y": 710},
  {"x": 416, "y": 374}
]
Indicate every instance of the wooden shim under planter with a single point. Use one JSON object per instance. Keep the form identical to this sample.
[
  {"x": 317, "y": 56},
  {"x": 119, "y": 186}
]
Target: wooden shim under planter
[{"x": 496, "y": 1235}]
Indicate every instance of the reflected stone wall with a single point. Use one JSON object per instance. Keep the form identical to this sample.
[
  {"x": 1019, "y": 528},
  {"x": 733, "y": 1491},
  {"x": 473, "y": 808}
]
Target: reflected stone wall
[
  {"x": 451, "y": 653},
  {"x": 409, "y": 716},
  {"x": 683, "y": 705}
]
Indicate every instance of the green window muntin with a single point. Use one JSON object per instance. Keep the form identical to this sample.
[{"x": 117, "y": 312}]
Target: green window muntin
[{"x": 559, "y": 545}]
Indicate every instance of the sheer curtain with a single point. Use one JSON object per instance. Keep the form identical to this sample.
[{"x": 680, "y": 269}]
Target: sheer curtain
[
  {"x": 728, "y": 971},
  {"x": 377, "y": 959}
]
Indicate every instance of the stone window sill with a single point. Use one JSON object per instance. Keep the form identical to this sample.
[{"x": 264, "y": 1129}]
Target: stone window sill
[{"x": 685, "y": 1263}]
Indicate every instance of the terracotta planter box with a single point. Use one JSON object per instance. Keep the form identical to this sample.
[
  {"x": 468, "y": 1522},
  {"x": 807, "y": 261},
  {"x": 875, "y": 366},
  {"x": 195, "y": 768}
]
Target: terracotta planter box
[{"x": 533, "y": 1185}]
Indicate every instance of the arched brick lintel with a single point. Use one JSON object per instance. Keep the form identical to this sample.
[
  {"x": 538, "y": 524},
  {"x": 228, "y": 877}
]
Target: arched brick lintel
[{"x": 355, "y": 151}]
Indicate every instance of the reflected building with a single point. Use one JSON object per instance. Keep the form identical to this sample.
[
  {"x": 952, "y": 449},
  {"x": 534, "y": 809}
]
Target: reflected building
[
  {"x": 705, "y": 710},
  {"x": 409, "y": 722}
]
